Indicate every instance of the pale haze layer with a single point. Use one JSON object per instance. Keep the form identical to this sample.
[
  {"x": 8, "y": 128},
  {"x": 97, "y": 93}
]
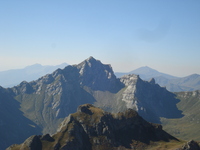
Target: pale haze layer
[{"x": 164, "y": 35}]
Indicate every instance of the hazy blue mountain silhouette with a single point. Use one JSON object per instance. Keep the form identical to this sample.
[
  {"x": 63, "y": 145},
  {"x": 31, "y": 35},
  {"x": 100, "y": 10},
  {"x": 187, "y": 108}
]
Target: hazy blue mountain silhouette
[
  {"x": 13, "y": 77},
  {"x": 188, "y": 83},
  {"x": 172, "y": 83},
  {"x": 146, "y": 73}
]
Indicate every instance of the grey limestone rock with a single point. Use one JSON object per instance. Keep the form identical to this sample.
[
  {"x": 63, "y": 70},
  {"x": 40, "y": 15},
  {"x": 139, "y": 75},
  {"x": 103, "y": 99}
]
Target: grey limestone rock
[
  {"x": 149, "y": 99},
  {"x": 98, "y": 76}
]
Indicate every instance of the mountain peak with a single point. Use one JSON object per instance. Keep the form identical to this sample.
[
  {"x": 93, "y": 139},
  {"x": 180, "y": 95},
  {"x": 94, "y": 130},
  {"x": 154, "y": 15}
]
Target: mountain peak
[
  {"x": 91, "y": 58},
  {"x": 147, "y": 73},
  {"x": 144, "y": 69},
  {"x": 97, "y": 75},
  {"x": 88, "y": 62}
]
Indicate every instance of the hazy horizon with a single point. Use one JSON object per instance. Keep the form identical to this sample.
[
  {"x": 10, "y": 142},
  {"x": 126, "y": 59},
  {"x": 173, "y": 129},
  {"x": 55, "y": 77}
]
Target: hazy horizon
[
  {"x": 163, "y": 35},
  {"x": 80, "y": 62}
]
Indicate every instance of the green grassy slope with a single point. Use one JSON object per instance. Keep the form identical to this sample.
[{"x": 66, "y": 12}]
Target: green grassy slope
[{"x": 187, "y": 127}]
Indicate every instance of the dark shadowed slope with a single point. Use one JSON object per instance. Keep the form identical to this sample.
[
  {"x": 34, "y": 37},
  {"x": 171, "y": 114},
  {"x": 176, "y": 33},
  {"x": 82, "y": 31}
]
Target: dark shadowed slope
[
  {"x": 14, "y": 127},
  {"x": 187, "y": 127}
]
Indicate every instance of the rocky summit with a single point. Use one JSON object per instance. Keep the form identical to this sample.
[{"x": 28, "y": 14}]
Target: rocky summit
[
  {"x": 92, "y": 128},
  {"x": 97, "y": 76}
]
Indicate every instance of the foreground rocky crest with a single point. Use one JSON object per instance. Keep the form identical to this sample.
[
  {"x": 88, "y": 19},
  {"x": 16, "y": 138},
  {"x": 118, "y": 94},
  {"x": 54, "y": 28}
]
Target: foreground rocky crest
[{"x": 91, "y": 128}]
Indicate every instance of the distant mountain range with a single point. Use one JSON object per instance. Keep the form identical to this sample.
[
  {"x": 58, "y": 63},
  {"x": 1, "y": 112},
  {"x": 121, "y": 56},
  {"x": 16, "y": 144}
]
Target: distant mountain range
[
  {"x": 172, "y": 83},
  {"x": 146, "y": 73},
  {"x": 13, "y": 77}
]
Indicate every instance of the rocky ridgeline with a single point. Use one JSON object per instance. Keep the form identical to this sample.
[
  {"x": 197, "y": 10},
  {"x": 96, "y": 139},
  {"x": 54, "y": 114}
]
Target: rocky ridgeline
[{"x": 91, "y": 128}]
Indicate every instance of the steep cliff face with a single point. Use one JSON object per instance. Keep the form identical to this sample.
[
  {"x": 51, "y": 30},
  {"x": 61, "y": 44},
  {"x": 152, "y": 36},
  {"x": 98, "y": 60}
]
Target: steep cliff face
[
  {"x": 92, "y": 128},
  {"x": 149, "y": 99}
]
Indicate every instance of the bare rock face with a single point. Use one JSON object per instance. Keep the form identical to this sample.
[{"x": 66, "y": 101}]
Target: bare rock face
[
  {"x": 130, "y": 82},
  {"x": 97, "y": 76},
  {"x": 149, "y": 99},
  {"x": 191, "y": 145},
  {"x": 91, "y": 128}
]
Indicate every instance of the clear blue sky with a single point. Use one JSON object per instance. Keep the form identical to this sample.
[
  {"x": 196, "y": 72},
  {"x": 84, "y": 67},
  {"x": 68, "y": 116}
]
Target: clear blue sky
[{"x": 161, "y": 34}]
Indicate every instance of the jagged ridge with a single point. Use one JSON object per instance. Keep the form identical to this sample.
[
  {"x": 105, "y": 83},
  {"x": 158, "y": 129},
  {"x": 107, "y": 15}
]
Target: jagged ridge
[{"x": 91, "y": 128}]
